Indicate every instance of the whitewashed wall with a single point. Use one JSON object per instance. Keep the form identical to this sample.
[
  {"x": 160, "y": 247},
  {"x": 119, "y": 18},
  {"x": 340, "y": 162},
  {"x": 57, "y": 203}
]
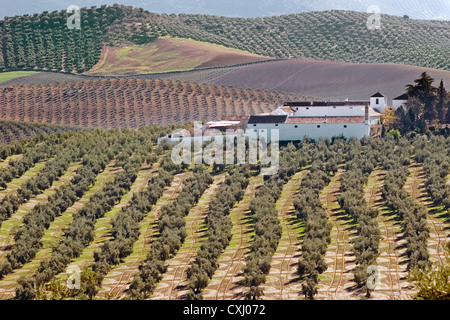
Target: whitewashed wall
[
  {"x": 397, "y": 103},
  {"x": 289, "y": 132}
]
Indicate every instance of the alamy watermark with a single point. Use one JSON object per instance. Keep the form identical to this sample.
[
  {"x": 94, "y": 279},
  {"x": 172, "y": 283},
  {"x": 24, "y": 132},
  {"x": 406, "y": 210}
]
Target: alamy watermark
[
  {"x": 74, "y": 20},
  {"x": 258, "y": 147},
  {"x": 374, "y": 20},
  {"x": 373, "y": 279},
  {"x": 74, "y": 280}
]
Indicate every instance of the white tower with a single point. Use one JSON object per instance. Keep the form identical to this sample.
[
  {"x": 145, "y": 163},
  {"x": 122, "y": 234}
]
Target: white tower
[{"x": 378, "y": 102}]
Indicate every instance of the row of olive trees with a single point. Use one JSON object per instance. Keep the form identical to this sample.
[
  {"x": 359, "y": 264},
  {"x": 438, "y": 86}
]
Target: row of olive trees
[
  {"x": 219, "y": 226},
  {"x": 362, "y": 158},
  {"x": 413, "y": 216},
  {"x": 310, "y": 209},
  {"x": 35, "y": 153},
  {"x": 265, "y": 217},
  {"x": 27, "y": 238},
  {"x": 433, "y": 154},
  {"x": 68, "y": 152},
  {"x": 130, "y": 153},
  {"x": 11, "y": 132},
  {"x": 172, "y": 230},
  {"x": 81, "y": 231}
]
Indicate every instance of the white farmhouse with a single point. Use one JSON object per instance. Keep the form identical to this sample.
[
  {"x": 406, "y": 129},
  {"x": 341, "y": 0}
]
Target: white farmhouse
[
  {"x": 315, "y": 119},
  {"x": 399, "y": 101}
]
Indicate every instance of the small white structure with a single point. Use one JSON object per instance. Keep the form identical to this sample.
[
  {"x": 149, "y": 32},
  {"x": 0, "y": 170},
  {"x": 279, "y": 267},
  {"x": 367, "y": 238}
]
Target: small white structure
[
  {"x": 378, "y": 102},
  {"x": 399, "y": 101}
]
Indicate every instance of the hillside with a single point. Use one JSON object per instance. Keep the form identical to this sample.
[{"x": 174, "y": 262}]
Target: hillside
[
  {"x": 308, "y": 78},
  {"x": 430, "y": 9},
  {"x": 44, "y": 42},
  {"x": 166, "y": 55},
  {"x": 131, "y": 103},
  {"x": 326, "y": 79}
]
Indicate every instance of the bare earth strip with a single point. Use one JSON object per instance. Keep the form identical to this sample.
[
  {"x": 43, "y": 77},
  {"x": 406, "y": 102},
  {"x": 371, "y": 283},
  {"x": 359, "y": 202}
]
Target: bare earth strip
[
  {"x": 337, "y": 281},
  {"x": 54, "y": 234},
  {"x": 172, "y": 285},
  {"x": 9, "y": 227},
  {"x": 16, "y": 183},
  {"x": 391, "y": 264},
  {"x": 281, "y": 283},
  {"x": 117, "y": 281},
  {"x": 435, "y": 219},
  {"x": 103, "y": 225},
  {"x": 224, "y": 284}
]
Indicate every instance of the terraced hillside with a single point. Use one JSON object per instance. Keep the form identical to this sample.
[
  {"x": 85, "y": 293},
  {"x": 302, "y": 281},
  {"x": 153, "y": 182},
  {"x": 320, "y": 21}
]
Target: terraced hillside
[
  {"x": 132, "y": 103},
  {"x": 44, "y": 42},
  {"x": 114, "y": 206}
]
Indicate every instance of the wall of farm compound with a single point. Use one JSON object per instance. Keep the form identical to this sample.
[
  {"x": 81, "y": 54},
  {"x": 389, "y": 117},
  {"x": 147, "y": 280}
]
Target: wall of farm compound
[{"x": 295, "y": 132}]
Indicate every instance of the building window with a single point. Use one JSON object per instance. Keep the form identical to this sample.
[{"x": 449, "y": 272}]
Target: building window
[
  {"x": 254, "y": 125},
  {"x": 345, "y": 126},
  {"x": 255, "y": 130},
  {"x": 334, "y": 107},
  {"x": 276, "y": 124},
  {"x": 296, "y": 126},
  {"x": 307, "y": 108},
  {"x": 378, "y": 101},
  {"x": 318, "y": 126}
]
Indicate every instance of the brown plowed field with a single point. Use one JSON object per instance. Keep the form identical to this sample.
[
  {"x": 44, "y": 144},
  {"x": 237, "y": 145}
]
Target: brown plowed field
[{"x": 316, "y": 78}]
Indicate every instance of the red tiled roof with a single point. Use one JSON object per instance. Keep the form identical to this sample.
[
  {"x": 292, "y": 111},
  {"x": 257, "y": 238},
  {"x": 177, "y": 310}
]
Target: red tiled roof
[{"x": 328, "y": 120}]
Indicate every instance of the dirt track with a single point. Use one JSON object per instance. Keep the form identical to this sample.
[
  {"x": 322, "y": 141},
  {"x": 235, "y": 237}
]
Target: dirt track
[
  {"x": 281, "y": 281},
  {"x": 337, "y": 282},
  {"x": 117, "y": 281},
  {"x": 225, "y": 284},
  {"x": 439, "y": 235},
  {"x": 391, "y": 262},
  {"x": 54, "y": 234},
  {"x": 173, "y": 286}
]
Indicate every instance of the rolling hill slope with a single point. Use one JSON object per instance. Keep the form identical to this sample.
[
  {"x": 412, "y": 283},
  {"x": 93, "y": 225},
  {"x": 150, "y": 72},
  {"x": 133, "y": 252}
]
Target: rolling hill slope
[
  {"x": 326, "y": 79},
  {"x": 131, "y": 103},
  {"x": 44, "y": 42},
  {"x": 168, "y": 54}
]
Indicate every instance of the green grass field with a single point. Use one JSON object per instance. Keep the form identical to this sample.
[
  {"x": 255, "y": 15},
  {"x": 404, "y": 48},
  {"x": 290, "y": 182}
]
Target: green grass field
[{"x": 6, "y": 76}]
